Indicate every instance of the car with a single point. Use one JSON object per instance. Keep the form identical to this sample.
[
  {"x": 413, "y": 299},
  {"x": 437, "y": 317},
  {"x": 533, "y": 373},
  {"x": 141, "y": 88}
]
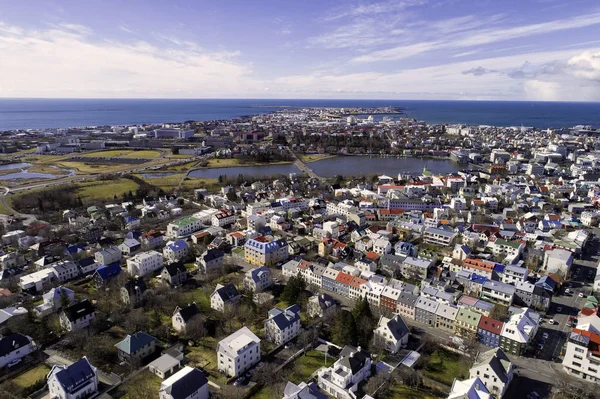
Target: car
[
  {"x": 535, "y": 395},
  {"x": 568, "y": 291},
  {"x": 581, "y": 295},
  {"x": 13, "y": 363},
  {"x": 559, "y": 309},
  {"x": 540, "y": 346},
  {"x": 551, "y": 321},
  {"x": 545, "y": 335}
]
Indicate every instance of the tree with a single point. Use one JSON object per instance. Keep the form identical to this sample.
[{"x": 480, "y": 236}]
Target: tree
[
  {"x": 307, "y": 337},
  {"x": 499, "y": 312},
  {"x": 378, "y": 386},
  {"x": 267, "y": 374},
  {"x": 225, "y": 392},
  {"x": 344, "y": 331},
  {"x": 293, "y": 290},
  {"x": 363, "y": 318},
  {"x": 377, "y": 345},
  {"x": 194, "y": 329}
]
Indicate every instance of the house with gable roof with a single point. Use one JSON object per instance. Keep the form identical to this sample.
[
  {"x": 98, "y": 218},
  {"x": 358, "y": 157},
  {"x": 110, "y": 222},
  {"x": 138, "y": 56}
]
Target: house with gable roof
[
  {"x": 187, "y": 383},
  {"x": 393, "y": 331},
  {"x": 282, "y": 325},
  {"x": 495, "y": 370},
  {"x": 341, "y": 380},
  {"x": 258, "y": 279},
  {"x": 79, "y": 380},
  {"x": 134, "y": 348},
  {"x": 181, "y": 316},
  {"x": 224, "y": 296}
]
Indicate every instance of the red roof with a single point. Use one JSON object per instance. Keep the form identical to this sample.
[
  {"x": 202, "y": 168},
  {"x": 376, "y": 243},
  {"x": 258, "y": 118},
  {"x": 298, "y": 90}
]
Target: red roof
[
  {"x": 594, "y": 345},
  {"x": 356, "y": 282},
  {"x": 491, "y": 325},
  {"x": 372, "y": 255},
  {"x": 344, "y": 278}
]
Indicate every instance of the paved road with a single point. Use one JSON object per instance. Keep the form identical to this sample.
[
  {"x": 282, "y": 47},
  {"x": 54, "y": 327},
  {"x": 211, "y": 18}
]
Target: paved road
[{"x": 303, "y": 167}]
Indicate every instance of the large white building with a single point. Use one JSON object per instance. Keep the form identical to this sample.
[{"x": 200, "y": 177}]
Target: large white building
[
  {"x": 558, "y": 260},
  {"x": 144, "y": 263},
  {"x": 393, "y": 332},
  {"x": 79, "y": 380},
  {"x": 582, "y": 357},
  {"x": 108, "y": 256},
  {"x": 183, "y": 227},
  {"x": 257, "y": 280},
  {"x": 238, "y": 352}
]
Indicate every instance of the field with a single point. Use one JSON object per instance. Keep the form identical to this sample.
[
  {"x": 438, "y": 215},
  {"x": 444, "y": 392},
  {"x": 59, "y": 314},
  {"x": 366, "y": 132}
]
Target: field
[
  {"x": 305, "y": 365},
  {"x": 205, "y": 356},
  {"x": 141, "y": 385},
  {"x": 444, "y": 366},
  {"x": 32, "y": 376},
  {"x": 148, "y": 154},
  {"x": 402, "y": 391},
  {"x": 306, "y": 158},
  {"x": 105, "y": 189}
]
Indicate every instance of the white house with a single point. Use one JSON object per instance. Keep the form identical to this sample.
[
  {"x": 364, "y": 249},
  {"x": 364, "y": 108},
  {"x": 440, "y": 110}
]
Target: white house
[
  {"x": 210, "y": 260},
  {"x": 164, "y": 366},
  {"x": 238, "y": 352},
  {"x": 144, "y": 263},
  {"x": 495, "y": 370},
  {"x": 223, "y": 218},
  {"x": 393, "y": 332},
  {"x": 79, "y": 380},
  {"x": 35, "y": 281},
  {"x": 183, "y": 227},
  {"x": 258, "y": 279},
  {"x": 77, "y": 316},
  {"x": 282, "y": 324},
  {"x": 582, "y": 356},
  {"x": 341, "y": 380},
  {"x": 175, "y": 251},
  {"x": 130, "y": 246},
  {"x": 187, "y": 383},
  {"x": 439, "y": 237},
  {"x": 108, "y": 256},
  {"x": 381, "y": 246},
  {"x": 54, "y": 300},
  {"x": 181, "y": 316},
  {"x": 472, "y": 388},
  {"x": 558, "y": 260},
  {"x": 224, "y": 296},
  {"x": 65, "y": 270},
  {"x": 15, "y": 346}
]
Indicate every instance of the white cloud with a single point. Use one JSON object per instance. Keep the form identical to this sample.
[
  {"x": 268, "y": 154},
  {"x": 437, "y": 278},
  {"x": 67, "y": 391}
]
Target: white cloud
[
  {"x": 586, "y": 65},
  {"x": 68, "y": 61}
]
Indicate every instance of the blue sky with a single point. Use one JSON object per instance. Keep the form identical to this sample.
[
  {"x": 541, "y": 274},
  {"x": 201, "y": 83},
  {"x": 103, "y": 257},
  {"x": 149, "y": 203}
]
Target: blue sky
[{"x": 404, "y": 49}]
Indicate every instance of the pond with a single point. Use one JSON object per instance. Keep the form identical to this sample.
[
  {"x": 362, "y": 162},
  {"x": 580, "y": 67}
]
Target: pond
[
  {"x": 20, "y": 165},
  {"x": 364, "y": 165}
]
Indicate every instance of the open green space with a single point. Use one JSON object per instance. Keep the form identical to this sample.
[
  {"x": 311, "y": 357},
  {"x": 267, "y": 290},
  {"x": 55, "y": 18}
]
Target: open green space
[
  {"x": 105, "y": 189},
  {"x": 140, "y": 385},
  {"x": 402, "y": 391},
  {"x": 306, "y": 158},
  {"x": 122, "y": 154},
  {"x": 307, "y": 364},
  {"x": 444, "y": 366},
  {"x": 32, "y": 376}
]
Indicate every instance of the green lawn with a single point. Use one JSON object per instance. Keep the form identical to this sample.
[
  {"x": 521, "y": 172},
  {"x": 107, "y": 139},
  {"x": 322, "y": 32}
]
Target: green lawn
[
  {"x": 143, "y": 382},
  {"x": 444, "y": 366},
  {"x": 404, "y": 392},
  {"x": 105, "y": 189},
  {"x": 306, "y": 158},
  {"x": 201, "y": 298},
  {"x": 32, "y": 376},
  {"x": 305, "y": 365},
  {"x": 266, "y": 392},
  {"x": 205, "y": 356}
]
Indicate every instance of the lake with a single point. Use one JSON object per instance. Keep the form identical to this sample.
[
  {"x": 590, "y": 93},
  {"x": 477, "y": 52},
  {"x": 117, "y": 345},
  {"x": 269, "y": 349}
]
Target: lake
[
  {"x": 21, "y": 165},
  {"x": 331, "y": 167}
]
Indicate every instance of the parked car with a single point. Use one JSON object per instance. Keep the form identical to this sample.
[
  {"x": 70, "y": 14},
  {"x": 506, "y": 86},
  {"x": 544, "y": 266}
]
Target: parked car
[
  {"x": 540, "y": 346},
  {"x": 581, "y": 295},
  {"x": 545, "y": 335},
  {"x": 559, "y": 309},
  {"x": 13, "y": 363},
  {"x": 551, "y": 321}
]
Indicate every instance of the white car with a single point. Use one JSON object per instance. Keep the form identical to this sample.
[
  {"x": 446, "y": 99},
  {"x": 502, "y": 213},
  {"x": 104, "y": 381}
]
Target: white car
[
  {"x": 13, "y": 363},
  {"x": 551, "y": 321},
  {"x": 581, "y": 295},
  {"x": 545, "y": 335}
]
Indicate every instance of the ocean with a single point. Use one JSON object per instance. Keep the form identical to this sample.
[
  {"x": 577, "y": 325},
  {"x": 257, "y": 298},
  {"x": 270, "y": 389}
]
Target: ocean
[{"x": 61, "y": 113}]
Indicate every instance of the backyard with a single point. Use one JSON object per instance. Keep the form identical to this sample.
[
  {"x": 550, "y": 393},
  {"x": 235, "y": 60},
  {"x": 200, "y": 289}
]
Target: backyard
[
  {"x": 32, "y": 376},
  {"x": 444, "y": 366}
]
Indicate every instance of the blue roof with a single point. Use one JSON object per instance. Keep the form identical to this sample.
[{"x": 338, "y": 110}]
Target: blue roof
[
  {"x": 476, "y": 278},
  {"x": 498, "y": 268},
  {"x": 133, "y": 234},
  {"x": 75, "y": 375},
  {"x": 133, "y": 343},
  {"x": 177, "y": 245},
  {"x": 73, "y": 249},
  {"x": 546, "y": 283},
  {"x": 106, "y": 272}
]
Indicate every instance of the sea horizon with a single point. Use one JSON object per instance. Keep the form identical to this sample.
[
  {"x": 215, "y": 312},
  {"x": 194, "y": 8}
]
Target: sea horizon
[{"x": 48, "y": 113}]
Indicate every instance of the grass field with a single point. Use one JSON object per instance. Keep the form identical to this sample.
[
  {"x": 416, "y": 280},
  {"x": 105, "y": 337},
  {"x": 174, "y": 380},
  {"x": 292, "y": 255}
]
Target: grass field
[
  {"x": 305, "y": 365},
  {"x": 402, "y": 391},
  {"x": 4, "y": 210},
  {"x": 444, "y": 366},
  {"x": 205, "y": 356},
  {"x": 306, "y": 158},
  {"x": 105, "y": 189},
  {"x": 32, "y": 376},
  {"x": 144, "y": 382}
]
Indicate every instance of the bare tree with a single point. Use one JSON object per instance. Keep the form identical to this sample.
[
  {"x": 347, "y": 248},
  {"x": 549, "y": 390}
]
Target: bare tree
[
  {"x": 379, "y": 385},
  {"x": 194, "y": 329},
  {"x": 227, "y": 392},
  {"x": 307, "y": 338},
  {"x": 377, "y": 346}
]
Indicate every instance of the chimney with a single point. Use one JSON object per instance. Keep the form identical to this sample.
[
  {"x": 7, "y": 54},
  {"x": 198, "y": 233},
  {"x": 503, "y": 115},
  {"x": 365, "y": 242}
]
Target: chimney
[{"x": 359, "y": 348}]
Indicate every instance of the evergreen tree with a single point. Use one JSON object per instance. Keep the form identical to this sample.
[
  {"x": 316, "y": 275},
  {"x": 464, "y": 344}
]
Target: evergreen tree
[
  {"x": 293, "y": 290},
  {"x": 344, "y": 331}
]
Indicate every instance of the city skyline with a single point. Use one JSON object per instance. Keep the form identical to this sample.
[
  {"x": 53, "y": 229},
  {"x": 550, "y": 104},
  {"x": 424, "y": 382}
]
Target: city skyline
[{"x": 414, "y": 49}]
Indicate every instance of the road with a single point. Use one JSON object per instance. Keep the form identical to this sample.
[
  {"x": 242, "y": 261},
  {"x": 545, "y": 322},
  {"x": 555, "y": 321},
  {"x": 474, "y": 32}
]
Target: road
[{"x": 303, "y": 167}]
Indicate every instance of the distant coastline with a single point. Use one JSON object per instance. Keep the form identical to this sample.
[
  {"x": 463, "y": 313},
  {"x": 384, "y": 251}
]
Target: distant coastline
[{"x": 63, "y": 113}]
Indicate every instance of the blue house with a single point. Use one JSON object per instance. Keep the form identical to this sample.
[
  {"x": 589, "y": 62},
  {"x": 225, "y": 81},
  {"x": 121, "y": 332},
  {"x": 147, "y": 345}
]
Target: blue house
[
  {"x": 489, "y": 331},
  {"x": 106, "y": 272}
]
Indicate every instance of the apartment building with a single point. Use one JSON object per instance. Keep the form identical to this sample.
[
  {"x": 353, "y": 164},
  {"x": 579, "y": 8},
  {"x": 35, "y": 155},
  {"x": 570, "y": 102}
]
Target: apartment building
[
  {"x": 238, "y": 352},
  {"x": 144, "y": 263}
]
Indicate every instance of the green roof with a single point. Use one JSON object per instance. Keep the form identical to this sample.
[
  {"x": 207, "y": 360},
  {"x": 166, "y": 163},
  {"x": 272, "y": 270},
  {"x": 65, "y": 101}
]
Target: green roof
[
  {"x": 468, "y": 316},
  {"x": 185, "y": 221},
  {"x": 592, "y": 298}
]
